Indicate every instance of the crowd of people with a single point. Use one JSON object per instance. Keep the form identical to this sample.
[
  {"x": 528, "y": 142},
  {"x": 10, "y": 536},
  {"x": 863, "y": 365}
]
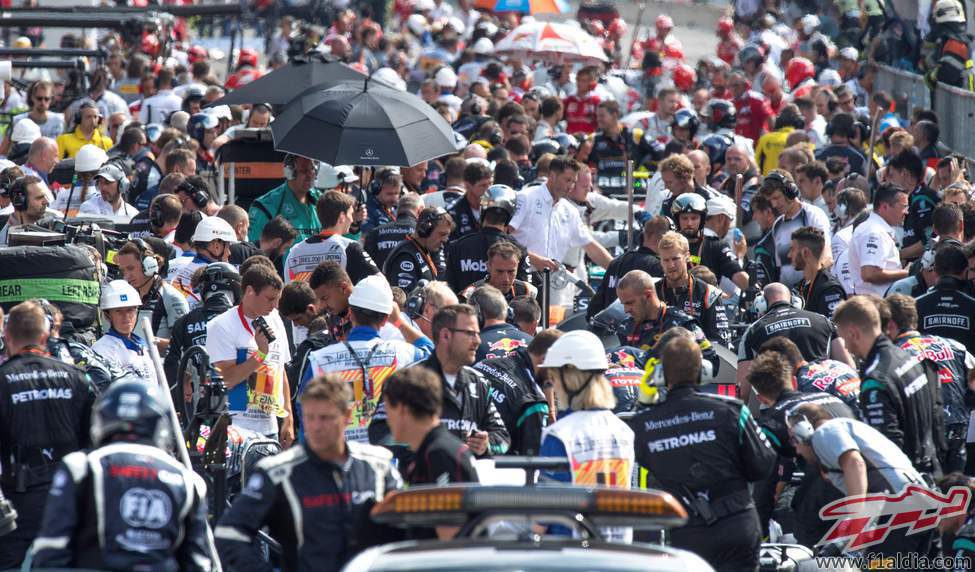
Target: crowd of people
[{"x": 386, "y": 327}]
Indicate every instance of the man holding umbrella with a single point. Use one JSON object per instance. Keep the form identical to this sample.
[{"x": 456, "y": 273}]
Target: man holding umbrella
[{"x": 294, "y": 200}]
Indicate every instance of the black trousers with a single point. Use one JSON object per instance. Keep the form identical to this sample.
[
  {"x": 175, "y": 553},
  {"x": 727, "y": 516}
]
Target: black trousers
[
  {"x": 30, "y": 512},
  {"x": 729, "y": 545}
]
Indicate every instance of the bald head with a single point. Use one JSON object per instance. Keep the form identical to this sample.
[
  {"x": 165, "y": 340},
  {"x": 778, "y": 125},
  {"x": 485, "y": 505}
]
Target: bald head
[
  {"x": 776, "y": 292},
  {"x": 43, "y": 153},
  {"x": 475, "y": 151}
]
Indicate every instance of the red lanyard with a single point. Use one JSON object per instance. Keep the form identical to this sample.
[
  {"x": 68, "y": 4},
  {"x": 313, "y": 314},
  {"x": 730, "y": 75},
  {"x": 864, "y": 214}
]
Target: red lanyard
[
  {"x": 423, "y": 252},
  {"x": 243, "y": 320}
]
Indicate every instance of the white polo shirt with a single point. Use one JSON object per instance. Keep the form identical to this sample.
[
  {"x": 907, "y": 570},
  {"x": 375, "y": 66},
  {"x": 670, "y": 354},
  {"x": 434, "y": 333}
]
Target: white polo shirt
[
  {"x": 873, "y": 244},
  {"x": 547, "y": 228}
]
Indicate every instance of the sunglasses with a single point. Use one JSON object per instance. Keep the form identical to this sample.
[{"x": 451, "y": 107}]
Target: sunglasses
[{"x": 38, "y": 98}]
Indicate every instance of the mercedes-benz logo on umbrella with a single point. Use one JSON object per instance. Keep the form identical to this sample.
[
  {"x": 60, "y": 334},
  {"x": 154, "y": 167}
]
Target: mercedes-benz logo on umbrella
[{"x": 369, "y": 152}]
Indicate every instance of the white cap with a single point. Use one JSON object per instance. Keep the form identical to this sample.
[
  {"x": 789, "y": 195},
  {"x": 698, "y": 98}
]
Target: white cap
[
  {"x": 483, "y": 46},
  {"x": 373, "y": 293},
  {"x": 119, "y": 294},
  {"x": 579, "y": 348},
  {"x": 418, "y": 24},
  {"x": 446, "y": 77},
  {"x": 809, "y": 23},
  {"x": 214, "y": 228},
  {"x": 424, "y": 5},
  {"x": 849, "y": 53},
  {"x": 721, "y": 206},
  {"x": 830, "y": 77},
  {"x": 220, "y": 112},
  {"x": 25, "y": 131},
  {"x": 390, "y": 77},
  {"x": 327, "y": 177},
  {"x": 89, "y": 159},
  {"x": 346, "y": 174},
  {"x": 457, "y": 24}
]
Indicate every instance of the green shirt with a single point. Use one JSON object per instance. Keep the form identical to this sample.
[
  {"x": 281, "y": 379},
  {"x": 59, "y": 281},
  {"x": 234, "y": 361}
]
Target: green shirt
[{"x": 281, "y": 201}]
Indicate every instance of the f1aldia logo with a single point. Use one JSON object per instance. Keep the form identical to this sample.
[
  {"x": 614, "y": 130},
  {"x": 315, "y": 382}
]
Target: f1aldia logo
[{"x": 868, "y": 519}]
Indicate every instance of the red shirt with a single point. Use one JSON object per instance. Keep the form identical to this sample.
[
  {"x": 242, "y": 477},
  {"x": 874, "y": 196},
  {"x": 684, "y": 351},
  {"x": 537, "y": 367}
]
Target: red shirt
[
  {"x": 728, "y": 49},
  {"x": 580, "y": 113},
  {"x": 242, "y": 78},
  {"x": 754, "y": 112}
]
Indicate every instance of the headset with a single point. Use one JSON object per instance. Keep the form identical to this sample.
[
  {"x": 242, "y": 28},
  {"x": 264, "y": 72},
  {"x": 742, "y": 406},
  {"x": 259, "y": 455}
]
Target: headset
[
  {"x": 428, "y": 221},
  {"x": 18, "y": 194},
  {"x": 416, "y": 301},
  {"x": 760, "y": 305},
  {"x": 155, "y": 215},
  {"x": 803, "y": 430},
  {"x": 123, "y": 183},
  {"x": 199, "y": 196},
  {"x": 472, "y": 301},
  {"x": 380, "y": 180},
  {"x": 289, "y": 166},
  {"x": 150, "y": 264},
  {"x": 789, "y": 188},
  {"x": 87, "y": 104}
]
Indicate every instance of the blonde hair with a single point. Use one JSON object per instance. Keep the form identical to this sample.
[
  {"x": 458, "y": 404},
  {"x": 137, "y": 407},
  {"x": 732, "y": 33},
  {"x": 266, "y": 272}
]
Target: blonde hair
[
  {"x": 597, "y": 395},
  {"x": 679, "y": 165},
  {"x": 672, "y": 239}
]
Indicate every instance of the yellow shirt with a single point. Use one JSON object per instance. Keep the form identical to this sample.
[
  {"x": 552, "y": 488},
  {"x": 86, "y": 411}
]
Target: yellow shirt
[
  {"x": 70, "y": 143},
  {"x": 768, "y": 149}
]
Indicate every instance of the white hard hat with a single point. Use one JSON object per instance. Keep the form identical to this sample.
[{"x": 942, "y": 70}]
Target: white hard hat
[
  {"x": 346, "y": 174},
  {"x": 483, "y": 46},
  {"x": 89, "y": 159},
  {"x": 418, "y": 24},
  {"x": 214, "y": 228},
  {"x": 809, "y": 23},
  {"x": 25, "y": 131},
  {"x": 579, "y": 348},
  {"x": 6, "y": 164},
  {"x": 373, "y": 293},
  {"x": 446, "y": 77},
  {"x": 457, "y": 24},
  {"x": 390, "y": 77},
  {"x": 119, "y": 294}
]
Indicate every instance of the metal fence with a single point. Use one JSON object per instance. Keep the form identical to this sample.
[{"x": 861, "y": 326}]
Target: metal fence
[{"x": 955, "y": 107}]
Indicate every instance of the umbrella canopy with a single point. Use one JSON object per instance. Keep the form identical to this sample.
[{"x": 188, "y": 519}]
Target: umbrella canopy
[
  {"x": 552, "y": 41},
  {"x": 287, "y": 82},
  {"x": 363, "y": 124},
  {"x": 524, "y": 6}
]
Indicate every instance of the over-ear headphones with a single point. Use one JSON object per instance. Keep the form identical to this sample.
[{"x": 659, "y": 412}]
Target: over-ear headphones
[
  {"x": 789, "y": 188},
  {"x": 474, "y": 303},
  {"x": 155, "y": 215},
  {"x": 87, "y": 104},
  {"x": 416, "y": 301},
  {"x": 289, "y": 166},
  {"x": 18, "y": 194},
  {"x": 803, "y": 430},
  {"x": 760, "y": 305},
  {"x": 123, "y": 179},
  {"x": 150, "y": 264},
  {"x": 428, "y": 221},
  {"x": 199, "y": 197}
]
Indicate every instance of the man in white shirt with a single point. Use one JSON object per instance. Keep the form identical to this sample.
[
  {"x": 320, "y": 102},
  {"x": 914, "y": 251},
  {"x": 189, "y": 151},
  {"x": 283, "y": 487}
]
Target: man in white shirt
[
  {"x": 156, "y": 109},
  {"x": 548, "y": 225},
  {"x": 875, "y": 261},
  {"x": 29, "y": 202},
  {"x": 113, "y": 185},
  {"x": 251, "y": 362}
]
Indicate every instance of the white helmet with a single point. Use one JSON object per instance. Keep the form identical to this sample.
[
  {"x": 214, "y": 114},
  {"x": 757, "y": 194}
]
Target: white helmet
[
  {"x": 390, "y": 77},
  {"x": 947, "y": 11},
  {"x": 26, "y": 131},
  {"x": 810, "y": 23},
  {"x": 457, "y": 24},
  {"x": 119, "y": 294},
  {"x": 830, "y": 77},
  {"x": 579, "y": 348},
  {"x": 89, "y": 159},
  {"x": 446, "y": 77},
  {"x": 373, "y": 293},
  {"x": 483, "y": 47},
  {"x": 214, "y": 228}
]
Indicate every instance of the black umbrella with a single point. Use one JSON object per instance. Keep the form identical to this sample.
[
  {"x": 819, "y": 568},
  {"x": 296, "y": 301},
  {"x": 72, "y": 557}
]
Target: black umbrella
[
  {"x": 290, "y": 81},
  {"x": 363, "y": 124}
]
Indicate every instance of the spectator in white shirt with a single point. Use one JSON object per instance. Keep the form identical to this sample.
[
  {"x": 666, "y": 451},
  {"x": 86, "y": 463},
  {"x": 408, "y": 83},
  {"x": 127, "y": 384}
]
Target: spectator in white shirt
[
  {"x": 157, "y": 108},
  {"x": 548, "y": 225},
  {"x": 112, "y": 187},
  {"x": 875, "y": 261}
]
